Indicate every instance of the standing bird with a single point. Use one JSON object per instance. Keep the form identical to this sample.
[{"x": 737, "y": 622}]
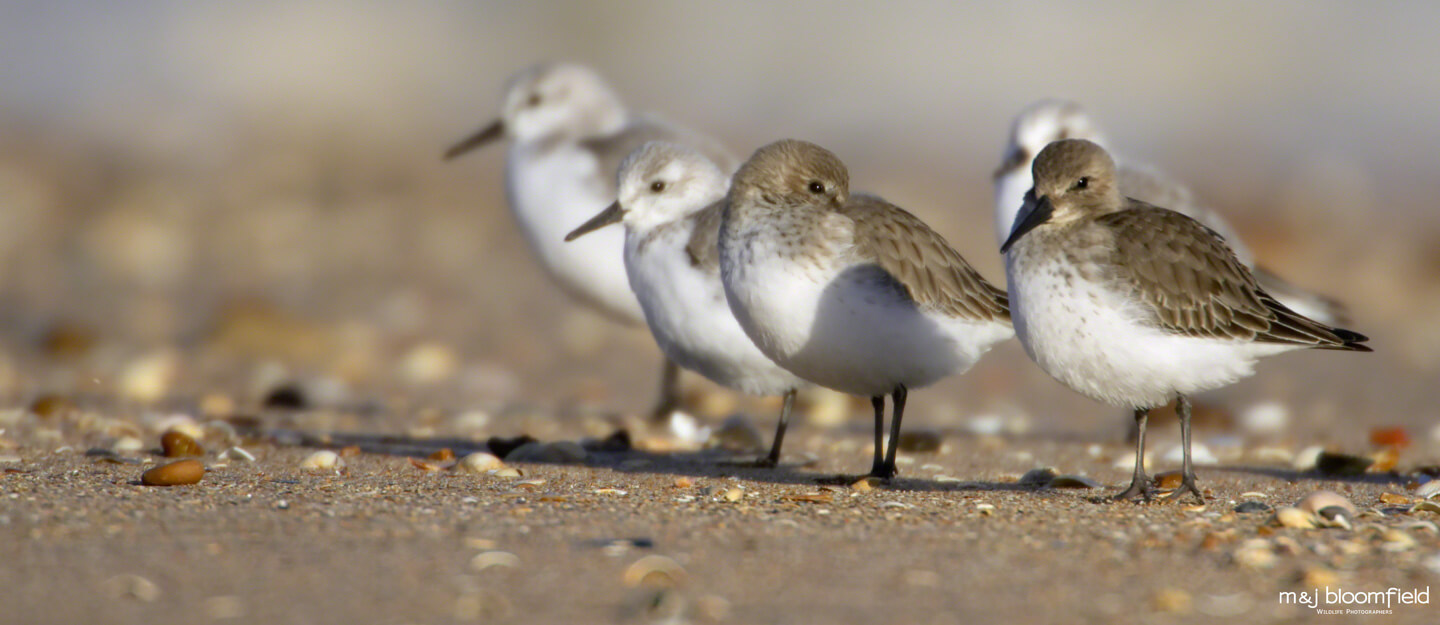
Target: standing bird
[
  {"x": 1053, "y": 120},
  {"x": 1135, "y": 305},
  {"x": 670, "y": 202},
  {"x": 848, "y": 291},
  {"x": 570, "y": 133}
]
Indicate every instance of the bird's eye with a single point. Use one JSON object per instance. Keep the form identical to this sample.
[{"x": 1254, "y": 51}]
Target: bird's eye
[
  {"x": 816, "y": 187},
  {"x": 657, "y": 186},
  {"x": 533, "y": 100},
  {"x": 1083, "y": 182}
]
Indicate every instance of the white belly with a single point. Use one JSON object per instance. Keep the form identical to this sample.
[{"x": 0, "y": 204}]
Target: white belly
[
  {"x": 1094, "y": 341},
  {"x": 686, "y": 311},
  {"x": 552, "y": 194},
  {"x": 849, "y": 331}
]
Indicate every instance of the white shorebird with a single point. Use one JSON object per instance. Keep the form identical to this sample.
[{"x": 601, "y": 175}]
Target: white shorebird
[
  {"x": 1052, "y": 120},
  {"x": 848, "y": 291},
  {"x": 570, "y": 131},
  {"x": 670, "y": 202},
  {"x": 1136, "y": 305}
]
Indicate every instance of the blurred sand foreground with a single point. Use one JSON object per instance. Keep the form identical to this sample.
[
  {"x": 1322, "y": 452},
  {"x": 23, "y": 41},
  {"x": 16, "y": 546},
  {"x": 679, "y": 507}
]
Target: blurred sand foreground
[{"x": 211, "y": 216}]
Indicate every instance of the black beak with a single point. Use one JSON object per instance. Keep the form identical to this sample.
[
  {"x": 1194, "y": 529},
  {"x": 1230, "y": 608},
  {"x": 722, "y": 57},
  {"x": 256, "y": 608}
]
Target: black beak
[
  {"x": 1040, "y": 212},
  {"x": 481, "y": 137},
  {"x": 612, "y": 214}
]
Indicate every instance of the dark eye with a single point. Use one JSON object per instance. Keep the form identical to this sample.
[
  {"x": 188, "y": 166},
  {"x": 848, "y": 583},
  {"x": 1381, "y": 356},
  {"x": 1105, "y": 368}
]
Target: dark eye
[
  {"x": 1082, "y": 183},
  {"x": 657, "y": 186},
  {"x": 533, "y": 100},
  {"x": 816, "y": 187}
]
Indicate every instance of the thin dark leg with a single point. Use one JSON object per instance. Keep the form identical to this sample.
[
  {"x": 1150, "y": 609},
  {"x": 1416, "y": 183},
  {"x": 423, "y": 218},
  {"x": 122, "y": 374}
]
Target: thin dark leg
[
  {"x": 669, "y": 399},
  {"x": 877, "y": 467},
  {"x": 1187, "y": 479},
  {"x": 1139, "y": 483},
  {"x": 897, "y": 412},
  {"x": 774, "y": 458}
]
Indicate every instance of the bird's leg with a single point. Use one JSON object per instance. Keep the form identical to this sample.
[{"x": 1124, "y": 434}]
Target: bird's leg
[
  {"x": 877, "y": 467},
  {"x": 1187, "y": 479},
  {"x": 897, "y": 412},
  {"x": 1140, "y": 483},
  {"x": 669, "y": 400},
  {"x": 774, "y": 458}
]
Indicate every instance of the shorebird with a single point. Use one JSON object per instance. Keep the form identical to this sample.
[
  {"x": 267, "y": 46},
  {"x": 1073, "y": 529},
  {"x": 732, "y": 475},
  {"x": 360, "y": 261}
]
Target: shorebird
[
  {"x": 569, "y": 132},
  {"x": 670, "y": 202},
  {"x": 848, "y": 291},
  {"x": 1136, "y": 305},
  {"x": 1052, "y": 120}
]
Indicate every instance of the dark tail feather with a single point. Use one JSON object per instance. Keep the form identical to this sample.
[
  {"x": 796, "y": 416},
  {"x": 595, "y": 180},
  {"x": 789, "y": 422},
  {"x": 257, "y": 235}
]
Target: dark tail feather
[{"x": 1352, "y": 341}]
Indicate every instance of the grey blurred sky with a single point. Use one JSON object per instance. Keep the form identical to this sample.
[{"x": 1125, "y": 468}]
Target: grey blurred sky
[{"x": 1208, "y": 89}]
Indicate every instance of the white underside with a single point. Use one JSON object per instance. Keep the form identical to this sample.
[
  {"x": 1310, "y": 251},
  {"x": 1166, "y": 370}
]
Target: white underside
[
  {"x": 554, "y": 192},
  {"x": 848, "y": 331},
  {"x": 686, "y": 311},
  {"x": 1092, "y": 340}
]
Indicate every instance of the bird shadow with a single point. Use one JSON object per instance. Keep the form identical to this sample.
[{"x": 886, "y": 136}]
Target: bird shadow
[{"x": 615, "y": 453}]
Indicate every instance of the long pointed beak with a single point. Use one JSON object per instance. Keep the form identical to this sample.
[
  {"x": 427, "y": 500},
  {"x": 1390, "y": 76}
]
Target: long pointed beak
[
  {"x": 1039, "y": 213},
  {"x": 612, "y": 214},
  {"x": 481, "y": 137}
]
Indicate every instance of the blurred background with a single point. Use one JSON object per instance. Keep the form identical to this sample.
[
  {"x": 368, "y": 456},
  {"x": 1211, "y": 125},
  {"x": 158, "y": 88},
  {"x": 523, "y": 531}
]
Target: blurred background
[{"x": 202, "y": 202}]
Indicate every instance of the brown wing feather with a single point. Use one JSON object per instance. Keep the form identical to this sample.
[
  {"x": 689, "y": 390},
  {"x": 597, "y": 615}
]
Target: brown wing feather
[
  {"x": 703, "y": 247},
  {"x": 933, "y": 273},
  {"x": 1196, "y": 286}
]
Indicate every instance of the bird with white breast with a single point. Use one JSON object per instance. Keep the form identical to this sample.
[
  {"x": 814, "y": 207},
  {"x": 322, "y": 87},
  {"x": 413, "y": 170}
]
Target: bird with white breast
[
  {"x": 670, "y": 202},
  {"x": 1136, "y": 305},
  {"x": 848, "y": 291},
  {"x": 570, "y": 132}
]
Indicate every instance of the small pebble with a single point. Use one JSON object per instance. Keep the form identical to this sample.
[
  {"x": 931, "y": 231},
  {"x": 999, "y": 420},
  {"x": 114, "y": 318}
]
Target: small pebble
[
  {"x": 1426, "y": 505},
  {"x": 130, "y": 586},
  {"x": 866, "y": 484},
  {"x": 1252, "y": 507},
  {"x": 1428, "y": 489},
  {"x": 177, "y": 444},
  {"x": 174, "y": 474},
  {"x": 1306, "y": 459},
  {"x": 479, "y": 462},
  {"x": 128, "y": 445},
  {"x": 1395, "y": 541},
  {"x": 1169, "y": 480},
  {"x": 734, "y": 494},
  {"x": 920, "y": 441},
  {"x": 236, "y": 453},
  {"x": 985, "y": 509},
  {"x": 1255, "y": 553},
  {"x": 1319, "y": 577},
  {"x": 1200, "y": 455},
  {"x": 1321, "y": 499},
  {"x": 1267, "y": 417},
  {"x": 323, "y": 460},
  {"x": 1288, "y": 516},
  {"x": 508, "y": 472},
  {"x": 1173, "y": 601},
  {"x": 654, "y": 571},
  {"x": 1274, "y": 455},
  {"x": 488, "y": 559}
]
